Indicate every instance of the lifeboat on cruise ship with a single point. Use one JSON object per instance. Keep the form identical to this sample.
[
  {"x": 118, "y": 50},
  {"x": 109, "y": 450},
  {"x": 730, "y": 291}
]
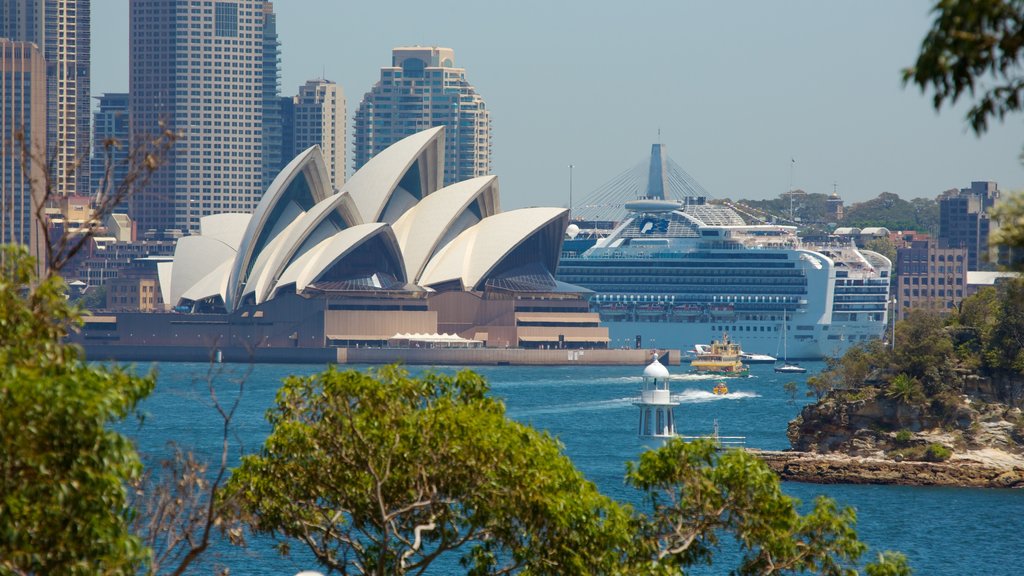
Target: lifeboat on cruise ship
[
  {"x": 649, "y": 309},
  {"x": 687, "y": 310},
  {"x": 722, "y": 310},
  {"x": 613, "y": 310}
]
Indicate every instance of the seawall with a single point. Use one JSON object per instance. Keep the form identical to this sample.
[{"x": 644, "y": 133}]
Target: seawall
[{"x": 411, "y": 356}]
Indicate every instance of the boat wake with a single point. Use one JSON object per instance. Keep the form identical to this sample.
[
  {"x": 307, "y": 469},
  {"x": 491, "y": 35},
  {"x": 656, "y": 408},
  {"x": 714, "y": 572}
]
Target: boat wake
[
  {"x": 702, "y": 377},
  {"x": 593, "y": 406},
  {"x": 691, "y": 396}
]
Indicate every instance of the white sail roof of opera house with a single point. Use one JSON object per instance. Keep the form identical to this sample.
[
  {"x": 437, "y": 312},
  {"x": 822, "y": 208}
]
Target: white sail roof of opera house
[
  {"x": 399, "y": 176},
  {"x": 317, "y": 262},
  {"x": 391, "y": 227},
  {"x": 472, "y": 256},
  {"x": 300, "y": 185},
  {"x": 442, "y": 216}
]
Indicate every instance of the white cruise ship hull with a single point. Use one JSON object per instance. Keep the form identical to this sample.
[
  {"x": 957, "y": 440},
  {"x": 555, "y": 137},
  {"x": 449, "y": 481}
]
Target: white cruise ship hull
[
  {"x": 753, "y": 337},
  {"x": 676, "y": 277}
]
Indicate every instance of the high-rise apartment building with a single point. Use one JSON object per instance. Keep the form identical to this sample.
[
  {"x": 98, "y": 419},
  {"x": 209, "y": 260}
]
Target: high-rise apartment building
[
  {"x": 197, "y": 67},
  {"x": 22, "y": 112},
  {"x": 320, "y": 120},
  {"x": 61, "y": 30},
  {"x": 422, "y": 88},
  {"x": 110, "y": 124},
  {"x": 964, "y": 221}
]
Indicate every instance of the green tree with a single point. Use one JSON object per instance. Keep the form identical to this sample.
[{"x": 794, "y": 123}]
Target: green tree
[
  {"x": 892, "y": 212},
  {"x": 382, "y": 473},
  {"x": 696, "y": 493},
  {"x": 924, "y": 349},
  {"x": 883, "y": 246},
  {"x": 974, "y": 49},
  {"x": 1010, "y": 215},
  {"x": 62, "y": 470}
]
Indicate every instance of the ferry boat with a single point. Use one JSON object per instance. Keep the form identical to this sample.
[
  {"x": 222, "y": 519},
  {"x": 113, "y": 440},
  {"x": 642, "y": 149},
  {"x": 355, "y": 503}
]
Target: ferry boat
[
  {"x": 745, "y": 357},
  {"x": 722, "y": 357},
  {"x": 682, "y": 271}
]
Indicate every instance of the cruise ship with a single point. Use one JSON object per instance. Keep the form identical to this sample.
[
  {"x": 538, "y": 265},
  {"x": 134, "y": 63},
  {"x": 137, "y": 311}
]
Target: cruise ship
[{"x": 675, "y": 273}]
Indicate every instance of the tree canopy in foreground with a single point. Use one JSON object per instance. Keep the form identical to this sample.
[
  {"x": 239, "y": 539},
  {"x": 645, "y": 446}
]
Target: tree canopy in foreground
[
  {"x": 384, "y": 473},
  {"x": 63, "y": 507},
  {"x": 974, "y": 48}
]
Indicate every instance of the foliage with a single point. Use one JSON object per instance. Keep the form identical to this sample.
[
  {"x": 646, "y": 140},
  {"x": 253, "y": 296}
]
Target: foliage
[
  {"x": 924, "y": 350},
  {"x": 889, "y": 564},
  {"x": 904, "y": 436},
  {"x": 883, "y": 246},
  {"x": 62, "y": 497},
  {"x": 937, "y": 453},
  {"x": 697, "y": 493},
  {"x": 790, "y": 388},
  {"x": 905, "y": 389},
  {"x": 1010, "y": 215},
  {"x": 892, "y": 212},
  {"x": 812, "y": 207},
  {"x": 384, "y": 473},
  {"x": 853, "y": 370},
  {"x": 95, "y": 298},
  {"x": 990, "y": 328},
  {"x": 974, "y": 46}
]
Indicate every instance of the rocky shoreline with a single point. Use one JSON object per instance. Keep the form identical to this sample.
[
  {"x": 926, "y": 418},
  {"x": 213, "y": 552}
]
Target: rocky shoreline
[{"x": 986, "y": 469}]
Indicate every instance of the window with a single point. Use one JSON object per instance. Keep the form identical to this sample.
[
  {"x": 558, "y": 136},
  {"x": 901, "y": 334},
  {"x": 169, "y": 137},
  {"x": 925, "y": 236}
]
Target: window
[{"x": 227, "y": 20}]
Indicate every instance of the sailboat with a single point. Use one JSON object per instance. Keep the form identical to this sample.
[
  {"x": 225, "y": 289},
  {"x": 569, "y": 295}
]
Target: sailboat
[{"x": 786, "y": 367}]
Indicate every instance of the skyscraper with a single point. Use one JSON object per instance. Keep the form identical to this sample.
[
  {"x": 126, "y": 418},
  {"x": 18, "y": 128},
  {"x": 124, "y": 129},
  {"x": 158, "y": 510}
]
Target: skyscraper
[
  {"x": 61, "y": 30},
  {"x": 964, "y": 221},
  {"x": 422, "y": 88},
  {"x": 110, "y": 123},
  {"x": 197, "y": 67},
  {"x": 22, "y": 111},
  {"x": 273, "y": 142},
  {"x": 320, "y": 119}
]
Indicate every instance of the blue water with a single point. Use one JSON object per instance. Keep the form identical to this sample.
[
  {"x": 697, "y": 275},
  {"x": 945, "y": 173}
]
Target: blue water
[{"x": 589, "y": 409}]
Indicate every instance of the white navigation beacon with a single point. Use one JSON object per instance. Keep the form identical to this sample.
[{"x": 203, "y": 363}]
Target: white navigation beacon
[{"x": 657, "y": 419}]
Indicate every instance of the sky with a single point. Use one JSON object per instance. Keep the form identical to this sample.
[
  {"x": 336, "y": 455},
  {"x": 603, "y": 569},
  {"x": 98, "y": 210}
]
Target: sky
[{"x": 751, "y": 98}]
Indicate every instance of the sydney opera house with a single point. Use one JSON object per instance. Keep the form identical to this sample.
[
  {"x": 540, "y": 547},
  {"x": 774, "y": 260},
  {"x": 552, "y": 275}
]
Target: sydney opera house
[{"x": 393, "y": 257}]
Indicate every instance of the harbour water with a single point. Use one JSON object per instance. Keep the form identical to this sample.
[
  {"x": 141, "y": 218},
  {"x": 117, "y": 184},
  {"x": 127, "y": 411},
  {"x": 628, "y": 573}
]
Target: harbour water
[{"x": 944, "y": 531}]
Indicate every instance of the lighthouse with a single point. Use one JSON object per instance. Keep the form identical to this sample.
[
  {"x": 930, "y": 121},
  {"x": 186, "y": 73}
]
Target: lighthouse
[{"x": 657, "y": 419}]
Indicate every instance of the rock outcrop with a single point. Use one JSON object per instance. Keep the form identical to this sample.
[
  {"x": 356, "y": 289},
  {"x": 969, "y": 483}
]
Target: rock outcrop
[
  {"x": 844, "y": 469},
  {"x": 863, "y": 436}
]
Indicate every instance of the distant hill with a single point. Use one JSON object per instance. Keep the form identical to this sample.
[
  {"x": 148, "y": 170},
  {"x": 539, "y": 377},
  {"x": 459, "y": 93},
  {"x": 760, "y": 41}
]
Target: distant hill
[
  {"x": 894, "y": 213},
  {"x": 810, "y": 212}
]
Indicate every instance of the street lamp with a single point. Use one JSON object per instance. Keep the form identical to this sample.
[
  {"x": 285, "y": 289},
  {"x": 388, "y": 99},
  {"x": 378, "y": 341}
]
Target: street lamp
[{"x": 892, "y": 340}]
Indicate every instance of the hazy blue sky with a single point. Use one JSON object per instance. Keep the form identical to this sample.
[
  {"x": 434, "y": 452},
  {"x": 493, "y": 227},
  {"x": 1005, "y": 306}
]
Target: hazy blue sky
[{"x": 738, "y": 88}]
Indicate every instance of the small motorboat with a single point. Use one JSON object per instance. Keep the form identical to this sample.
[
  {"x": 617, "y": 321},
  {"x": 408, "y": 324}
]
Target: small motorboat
[
  {"x": 788, "y": 368},
  {"x": 757, "y": 358},
  {"x": 720, "y": 389}
]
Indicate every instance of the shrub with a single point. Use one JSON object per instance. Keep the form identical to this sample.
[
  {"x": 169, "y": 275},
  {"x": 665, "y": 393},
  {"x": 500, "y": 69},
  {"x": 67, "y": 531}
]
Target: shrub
[
  {"x": 937, "y": 453},
  {"x": 904, "y": 436}
]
